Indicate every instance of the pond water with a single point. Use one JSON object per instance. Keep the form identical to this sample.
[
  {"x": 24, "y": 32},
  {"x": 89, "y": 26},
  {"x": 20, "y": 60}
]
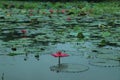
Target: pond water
[
  {"x": 15, "y": 68},
  {"x": 27, "y": 42}
]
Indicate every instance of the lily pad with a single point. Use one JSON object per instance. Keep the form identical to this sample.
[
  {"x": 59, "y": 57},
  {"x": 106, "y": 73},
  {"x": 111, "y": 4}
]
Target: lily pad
[
  {"x": 104, "y": 63},
  {"x": 80, "y": 35},
  {"x": 70, "y": 68},
  {"x": 108, "y": 56},
  {"x": 105, "y": 34},
  {"x": 13, "y": 53}
]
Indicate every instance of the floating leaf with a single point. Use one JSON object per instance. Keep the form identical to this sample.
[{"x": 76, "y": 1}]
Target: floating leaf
[
  {"x": 105, "y": 34},
  {"x": 80, "y": 35}
]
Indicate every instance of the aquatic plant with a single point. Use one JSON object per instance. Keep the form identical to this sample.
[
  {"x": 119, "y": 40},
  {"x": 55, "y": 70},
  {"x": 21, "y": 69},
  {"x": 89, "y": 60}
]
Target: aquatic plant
[
  {"x": 80, "y": 35},
  {"x": 12, "y": 54},
  {"x": 103, "y": 43}
]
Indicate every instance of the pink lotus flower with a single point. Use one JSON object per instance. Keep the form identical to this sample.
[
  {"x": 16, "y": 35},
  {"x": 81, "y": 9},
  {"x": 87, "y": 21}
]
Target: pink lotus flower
[
  {"x": 59, "y": 54},
  {"x": 51, "y": 11},
  {"x": 23, "y": 31},
  {"x": 62, "y": 11},
  {"x": 68, "y": 19}
]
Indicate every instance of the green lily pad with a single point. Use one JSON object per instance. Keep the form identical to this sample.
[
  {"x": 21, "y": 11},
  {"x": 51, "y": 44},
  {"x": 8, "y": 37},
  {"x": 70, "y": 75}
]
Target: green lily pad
[
  {"x": 70, "y": 68},
  {"x": 80, "y": 35},
  {"x": 106, "y": 34},
  {"x": 108, "y": 56},
  {"x": 104, "y": 63},
  {"x": 13, "y": 53}
]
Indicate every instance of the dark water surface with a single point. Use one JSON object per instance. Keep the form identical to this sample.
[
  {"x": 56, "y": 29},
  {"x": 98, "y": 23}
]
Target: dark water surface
[{"x": 15, "y": 68}]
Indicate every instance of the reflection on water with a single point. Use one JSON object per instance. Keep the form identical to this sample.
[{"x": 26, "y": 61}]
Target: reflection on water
[
  {"x": 15, "y": 68},
  {"x": 2, "y": 77},
  {"x": 69, "y": 68}
]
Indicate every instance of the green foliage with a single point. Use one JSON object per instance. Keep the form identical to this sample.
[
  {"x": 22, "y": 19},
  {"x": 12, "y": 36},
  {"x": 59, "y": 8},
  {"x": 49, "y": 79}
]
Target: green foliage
[
  {"x": 105, "y": 34},
  {"x": 80, "y": 35},
  {"x": 73, "y": 7},
  {"x": 102, "y": 43},
  {"x": 12, "y": 54},
  {"x": 77, "y": 28}
]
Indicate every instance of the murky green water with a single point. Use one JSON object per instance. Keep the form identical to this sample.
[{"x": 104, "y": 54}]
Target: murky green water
[{"x": 15, "y": 68}]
